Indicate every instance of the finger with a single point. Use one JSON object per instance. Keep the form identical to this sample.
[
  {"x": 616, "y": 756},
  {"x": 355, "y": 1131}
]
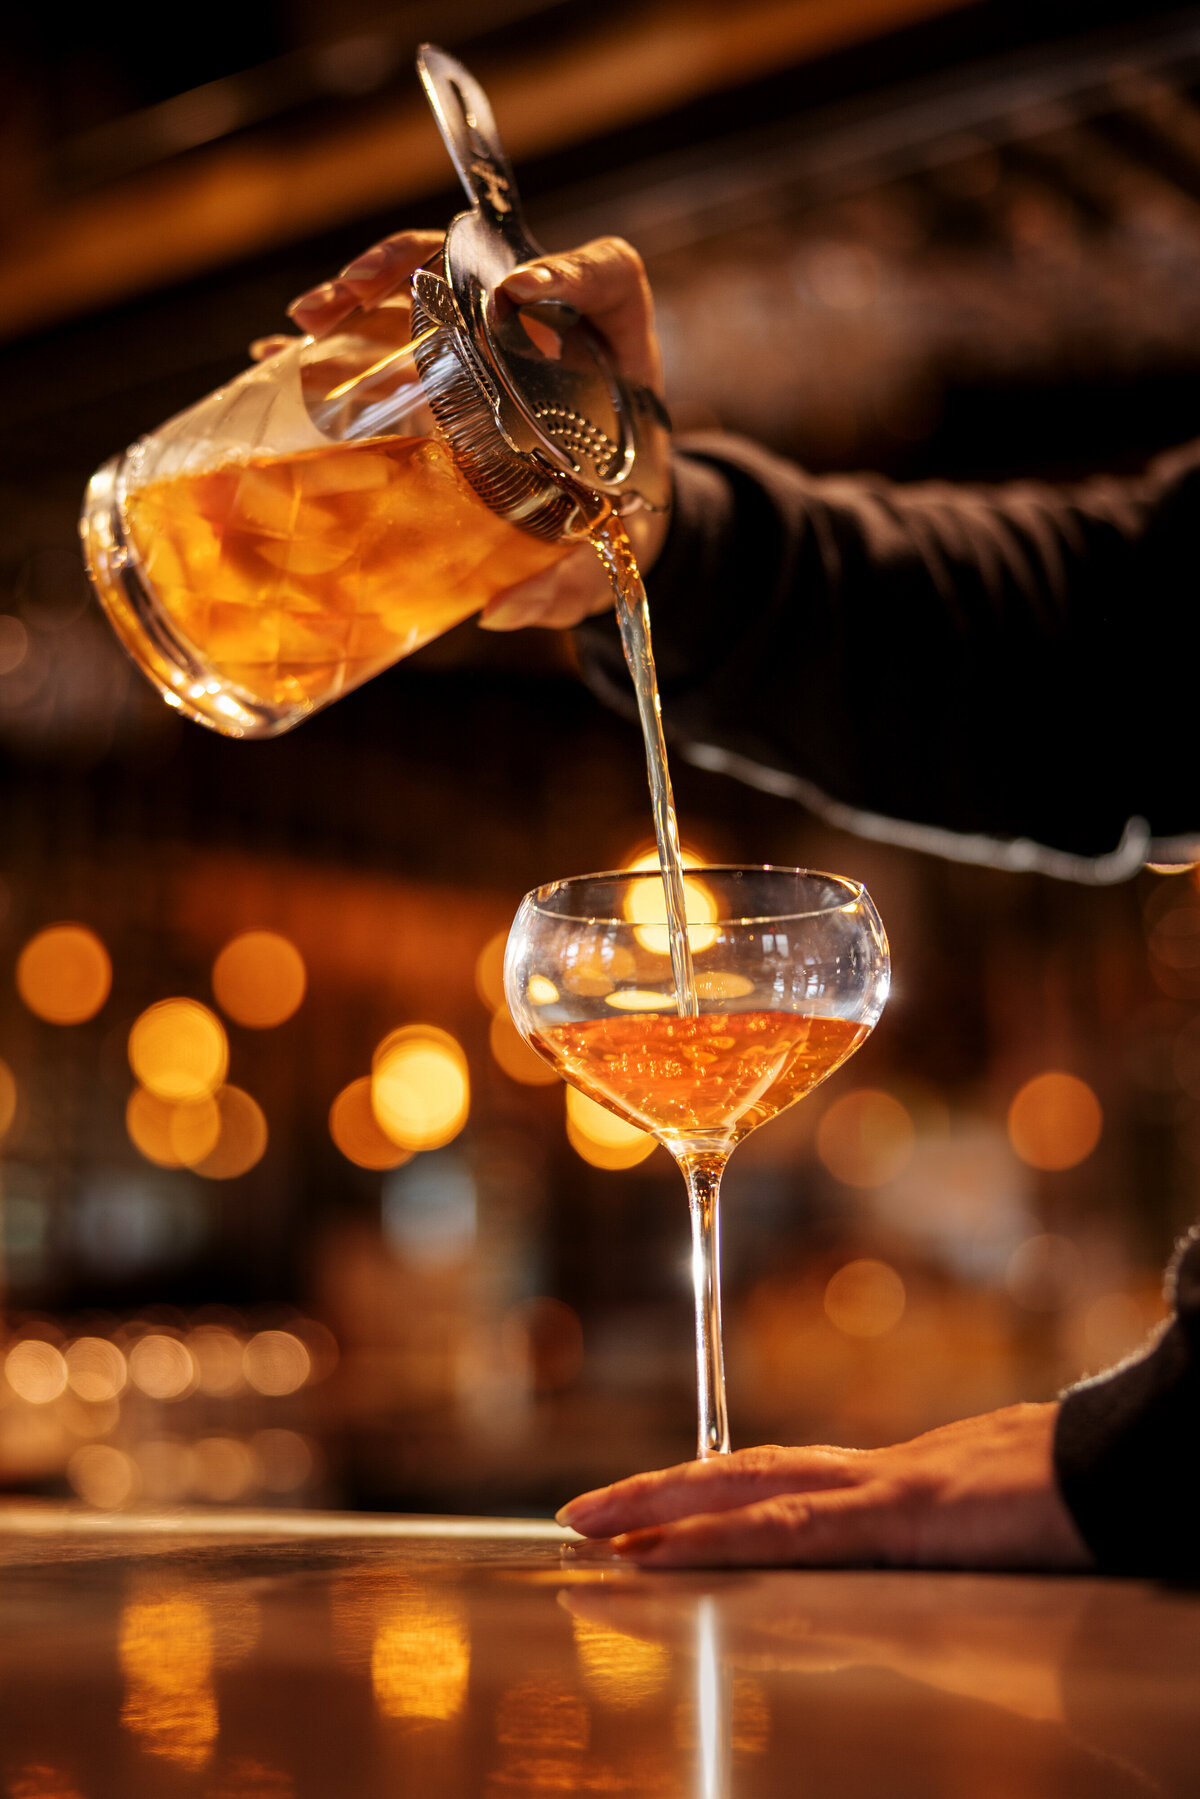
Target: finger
[
  {"x": 263, "y": 348},
  {"x": 719, "y": 1484},
  {"x": 364, "y": 281},
  {"x": 559, "y": 597},
  {"x": 607, "y": 281},
  {"x": 850, "y": 1527}
]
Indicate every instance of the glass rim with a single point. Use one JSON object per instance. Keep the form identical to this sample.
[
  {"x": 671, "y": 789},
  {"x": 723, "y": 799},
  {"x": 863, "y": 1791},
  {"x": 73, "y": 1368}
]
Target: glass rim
[{"x": 855, "y": 892}]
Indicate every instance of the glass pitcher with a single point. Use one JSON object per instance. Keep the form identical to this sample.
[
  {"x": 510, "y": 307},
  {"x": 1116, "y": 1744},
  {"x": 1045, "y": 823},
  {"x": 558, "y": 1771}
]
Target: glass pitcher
[{"x": 336, "y": 507}]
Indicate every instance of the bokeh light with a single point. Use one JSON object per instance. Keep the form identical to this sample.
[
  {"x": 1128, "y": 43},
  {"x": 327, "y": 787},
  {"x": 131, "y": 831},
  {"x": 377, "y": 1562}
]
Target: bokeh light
[
  {"x": 541, "y": 991},
  {"x": 8, "y": 1098},
  {"x": 64, "y": 974},
  {"x": 865, "y": 1298},
  {"x": 217, "y": 1354},
  {"x": 1055, "y": 1121},
  {"x": 514, "y": 1055},
  {"x": 103, "y": 1476},
  {"x": 602, "y": 1138},
  {"x": 421, "y": 1658},
  {"x": 161, "y": 1367},
  {"x": 178, "y": 1050},
  {"x": 646, "y": 907},
  {"x": 640, "y": 999},
  {"x": 489, "y": 971},
  {"x": 420, "y": 1089},
  {"x": 259, "y": 979},
  {"x": 96, "y": 1369},
  {"x": 619, "y": 1670},
  {"x": 165, "y": 1643},
  {"x": 286, "y": 1459},
  {"x": 166, "y": 1469},
  {"x": 243, "y": 1137},
  {"x": 172, "y": 1134},
  {"x": 36, "y": 1371},
  {"x": 275, "y": 1362},
  {"x": 356, "y": 1130},
  {"x": 225, "y": 1469},
  {"x": 865, "y": 1138}
]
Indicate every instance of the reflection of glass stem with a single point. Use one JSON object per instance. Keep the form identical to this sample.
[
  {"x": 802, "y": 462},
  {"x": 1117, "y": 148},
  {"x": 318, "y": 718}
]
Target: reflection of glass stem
[
  {"x": 714, "y": 1707},
  {"x": 703, "y": 1176}
]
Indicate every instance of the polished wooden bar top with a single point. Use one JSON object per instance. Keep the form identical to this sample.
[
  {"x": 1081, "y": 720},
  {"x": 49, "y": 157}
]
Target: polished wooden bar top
[{"x": 236, "y": 1655}]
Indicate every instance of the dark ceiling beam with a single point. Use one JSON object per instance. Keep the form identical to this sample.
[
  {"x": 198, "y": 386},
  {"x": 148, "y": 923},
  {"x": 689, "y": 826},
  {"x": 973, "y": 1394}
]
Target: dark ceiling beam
[{"x": 229, "y": 200}]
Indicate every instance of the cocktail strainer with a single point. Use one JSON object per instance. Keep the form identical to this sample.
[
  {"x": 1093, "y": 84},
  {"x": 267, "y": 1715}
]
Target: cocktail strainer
[{"x": 537, "y": 417}]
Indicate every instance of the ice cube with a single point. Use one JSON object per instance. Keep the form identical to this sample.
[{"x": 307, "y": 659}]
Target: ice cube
[
  {"x": 265, "y": 500},
  {"x": 348, "y": 471},
  {"x": 306, "y": 555}
]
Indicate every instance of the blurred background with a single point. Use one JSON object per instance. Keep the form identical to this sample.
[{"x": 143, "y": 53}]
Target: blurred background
[{"x": 918, "y": 236}]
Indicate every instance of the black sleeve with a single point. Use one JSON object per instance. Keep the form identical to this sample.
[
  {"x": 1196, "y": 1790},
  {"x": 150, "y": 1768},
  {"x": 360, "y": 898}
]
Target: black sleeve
[
  {"x": 1008, "y": 672},
  {"x": 997, "y": 668},
  {"x": 1127, "y": 1446}
]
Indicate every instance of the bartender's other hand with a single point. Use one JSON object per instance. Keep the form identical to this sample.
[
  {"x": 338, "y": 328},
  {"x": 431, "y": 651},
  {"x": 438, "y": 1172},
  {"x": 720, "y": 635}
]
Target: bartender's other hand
[{"x": 980, "y": 1493}]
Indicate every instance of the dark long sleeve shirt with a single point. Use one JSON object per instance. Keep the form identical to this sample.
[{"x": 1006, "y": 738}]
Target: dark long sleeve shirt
[{"x": 1001, "y": 675}]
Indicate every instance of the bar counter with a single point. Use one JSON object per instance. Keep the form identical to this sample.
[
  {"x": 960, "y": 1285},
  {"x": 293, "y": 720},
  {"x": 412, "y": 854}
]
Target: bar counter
[{"x": 241, "y": 1655}]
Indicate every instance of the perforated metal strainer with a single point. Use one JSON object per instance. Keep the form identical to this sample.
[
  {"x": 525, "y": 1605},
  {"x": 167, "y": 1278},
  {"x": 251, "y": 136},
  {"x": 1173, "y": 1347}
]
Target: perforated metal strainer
[{"x": 537, "y": 417}]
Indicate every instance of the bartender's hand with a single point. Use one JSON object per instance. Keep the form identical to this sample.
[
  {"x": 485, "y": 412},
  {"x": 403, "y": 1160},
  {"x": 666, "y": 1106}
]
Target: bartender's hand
[
  {"x": 977, "y": 1494},
  {"x": 604, "y": 280}
]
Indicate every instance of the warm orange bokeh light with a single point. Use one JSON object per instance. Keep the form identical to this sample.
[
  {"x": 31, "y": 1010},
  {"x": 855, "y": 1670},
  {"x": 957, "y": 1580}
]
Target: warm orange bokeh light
[
  {"x": 259, "y": 979},
  {"x": 161, "y": 1367},
  {"x": 64, "y": 974},
  {"x": 95, "y": 1369},
  {"x": 172, "y": 1136},
  {"x": 602, "y": 1138},
  {"x": 519, "y": 1062},
  {"x": 420, "y": 1089},
  {"x": 36, "y": 1371},
  {"x": 217, "y": 1354},
  {"x": 489, "y": 971},
  {"x": 276, "y": 1362},
  {"x": 178, "y": 1050},
  {"x": 103, "y": 1476},
  {"x": 356, "y": 1131},
  {"x": 646, "y": 906},
  {"x": 1055, "y": 1121},
  {"x": 8, "y": 1098},
  {"x": 865, "y": 1138},
  {"x": 421, "y": 1658},
  {"x": 865, "y": 1298},
  {"x": 243, "y": 1137}
]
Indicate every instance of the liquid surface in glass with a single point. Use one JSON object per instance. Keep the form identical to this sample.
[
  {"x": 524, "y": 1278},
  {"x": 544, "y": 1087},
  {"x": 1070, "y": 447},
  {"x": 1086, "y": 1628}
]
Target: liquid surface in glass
[
  {"x": 296, "y": 578},
  {"x": 719, "y": 1075}
]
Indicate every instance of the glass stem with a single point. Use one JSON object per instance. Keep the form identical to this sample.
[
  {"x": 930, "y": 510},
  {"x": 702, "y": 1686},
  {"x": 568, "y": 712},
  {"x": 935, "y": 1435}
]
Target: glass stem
[{"x": 703, "y": 1176}]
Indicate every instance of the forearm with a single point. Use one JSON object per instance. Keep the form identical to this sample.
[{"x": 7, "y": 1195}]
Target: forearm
[
  {"x": 1127, "y": 1446},
  {"x": 977, "y": 661}
]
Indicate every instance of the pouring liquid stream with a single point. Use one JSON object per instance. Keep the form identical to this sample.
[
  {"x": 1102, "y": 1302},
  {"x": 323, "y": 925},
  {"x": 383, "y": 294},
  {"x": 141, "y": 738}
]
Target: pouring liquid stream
[{"x": 611, "y": 544}]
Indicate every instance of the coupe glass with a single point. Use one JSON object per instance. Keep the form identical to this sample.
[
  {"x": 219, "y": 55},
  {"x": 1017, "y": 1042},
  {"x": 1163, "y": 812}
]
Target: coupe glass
[{"x": 791, "y": 972}]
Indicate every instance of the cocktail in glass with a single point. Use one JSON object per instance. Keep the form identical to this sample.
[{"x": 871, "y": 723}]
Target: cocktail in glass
[{"x": 791, "y": 974}]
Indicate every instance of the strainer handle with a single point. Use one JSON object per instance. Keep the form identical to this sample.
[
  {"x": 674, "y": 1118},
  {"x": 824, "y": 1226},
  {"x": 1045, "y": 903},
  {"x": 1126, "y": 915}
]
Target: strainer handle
[{"x": 464, "y": 118}]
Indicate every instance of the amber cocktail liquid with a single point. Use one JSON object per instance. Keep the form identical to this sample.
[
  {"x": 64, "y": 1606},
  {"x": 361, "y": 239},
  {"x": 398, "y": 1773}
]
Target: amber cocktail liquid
[
  {"x": 293, "y": 579},
  {"x": 717, "y": 1076}
]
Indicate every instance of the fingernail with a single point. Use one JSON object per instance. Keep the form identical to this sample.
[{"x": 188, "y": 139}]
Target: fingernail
[
  {"x": 364, "y": 266},
  {"x": 636, "y": 1542},
  {"x": 564, "y": 1516},
  {"x": 313, "y": 300},
  {"x": 523, "y": 284},
  {"x": 502, "y": 618}
]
